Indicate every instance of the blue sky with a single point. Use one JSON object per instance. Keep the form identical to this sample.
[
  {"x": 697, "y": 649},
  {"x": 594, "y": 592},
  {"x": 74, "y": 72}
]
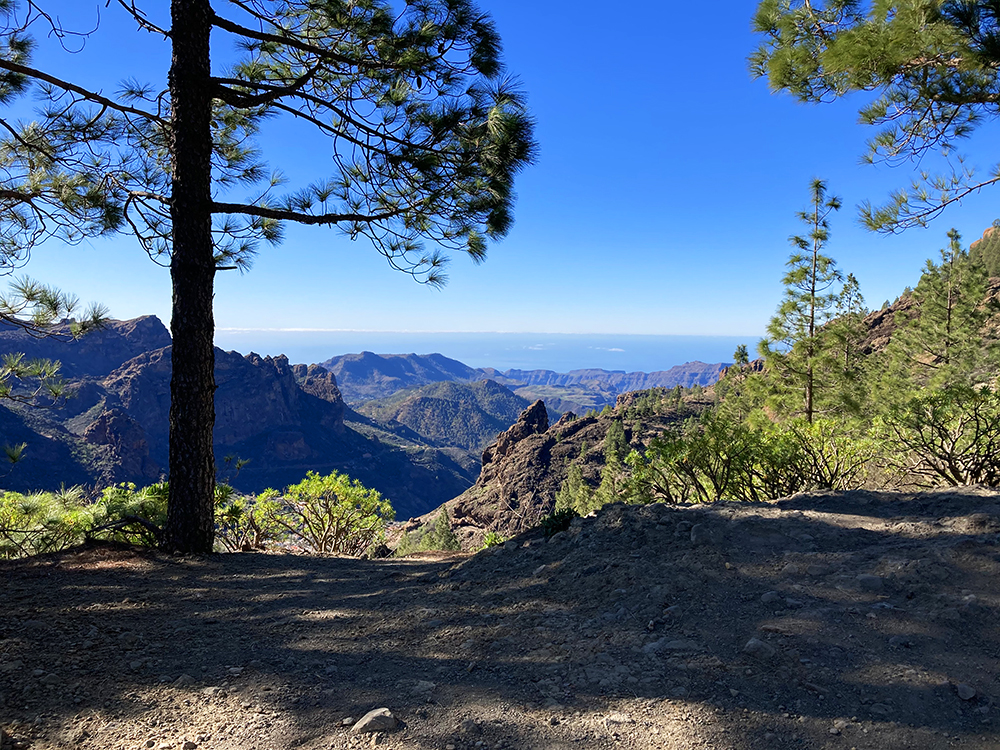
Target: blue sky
[{"x": 662, "y": 201}]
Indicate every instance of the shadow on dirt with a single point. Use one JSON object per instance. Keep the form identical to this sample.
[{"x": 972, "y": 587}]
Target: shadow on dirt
[{"x": 836, "y": 618}]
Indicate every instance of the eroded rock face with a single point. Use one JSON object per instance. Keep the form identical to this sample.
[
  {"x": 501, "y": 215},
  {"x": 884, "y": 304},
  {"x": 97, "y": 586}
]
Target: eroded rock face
[
  {"x": 256, "y": 398},
  {"x": 525, "y": 468},
  {"x": 95, "y": 355},
  {"x": 533, "y": 421},
  {"x": 127, "y": 447}
]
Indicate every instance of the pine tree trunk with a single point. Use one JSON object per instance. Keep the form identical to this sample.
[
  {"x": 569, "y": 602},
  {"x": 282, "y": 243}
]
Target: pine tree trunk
[{"x": 190, "y": 516}]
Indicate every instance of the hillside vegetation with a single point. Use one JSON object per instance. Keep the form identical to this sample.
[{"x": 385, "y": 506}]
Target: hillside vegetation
[
  {"x": 366, "y": 376},
  {"x": 465, "y": 415}
]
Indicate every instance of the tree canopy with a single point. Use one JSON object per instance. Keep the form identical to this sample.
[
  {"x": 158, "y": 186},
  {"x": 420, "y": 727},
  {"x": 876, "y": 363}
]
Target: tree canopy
[
  {"x": 428, "y": 133},
  {"x": 933, "y": 65}
]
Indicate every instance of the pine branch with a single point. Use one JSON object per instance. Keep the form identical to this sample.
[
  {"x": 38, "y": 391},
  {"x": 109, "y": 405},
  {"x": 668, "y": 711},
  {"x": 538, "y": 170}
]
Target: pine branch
[{"x": 91, "y": 96}]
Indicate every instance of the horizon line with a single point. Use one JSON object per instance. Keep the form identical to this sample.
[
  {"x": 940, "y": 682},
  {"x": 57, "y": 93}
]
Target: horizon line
[{"x": 223, "y": 329}]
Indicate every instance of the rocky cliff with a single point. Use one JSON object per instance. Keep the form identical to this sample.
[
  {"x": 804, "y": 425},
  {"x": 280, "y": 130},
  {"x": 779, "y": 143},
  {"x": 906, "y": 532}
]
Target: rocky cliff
[
  {"x": 282, "y": 419},
  {"x": 94, "y": 355},
  {"x": 525, "y": 467}
]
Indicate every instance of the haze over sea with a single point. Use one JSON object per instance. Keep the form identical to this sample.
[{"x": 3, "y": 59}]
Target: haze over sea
[{"x": 560, "y": 352}]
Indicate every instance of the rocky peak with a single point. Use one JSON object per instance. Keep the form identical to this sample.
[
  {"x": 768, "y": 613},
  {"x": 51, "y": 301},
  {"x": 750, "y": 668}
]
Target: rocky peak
[
  {"x": 533, "y": 421},
  {"x": 318, "y": 381},
  {"x": 96, "y": 354}
]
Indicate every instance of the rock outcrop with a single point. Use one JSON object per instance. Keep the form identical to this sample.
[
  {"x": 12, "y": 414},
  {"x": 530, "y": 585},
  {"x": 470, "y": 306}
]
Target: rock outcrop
[
  {"x": 524, "y": 469},
  {"x": 127, "y": 456},
  {"x": 95, "y": 355},
  {"x": 283, "y": 420}
]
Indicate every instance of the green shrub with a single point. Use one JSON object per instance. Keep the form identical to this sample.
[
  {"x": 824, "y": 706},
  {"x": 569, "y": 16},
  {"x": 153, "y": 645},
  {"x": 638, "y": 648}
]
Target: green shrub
[
  {"x": 557, "y": 521},
  {"x": 441, "y": 536},
  {"x": 244, "y": 523},
  {"x": 42, "y": 522},
  {"x": 492, "y": 539},
  {"x": 124, "y": 513},
  {"x": 334, "y": 514},
  {"x": 948, "y": 437}
]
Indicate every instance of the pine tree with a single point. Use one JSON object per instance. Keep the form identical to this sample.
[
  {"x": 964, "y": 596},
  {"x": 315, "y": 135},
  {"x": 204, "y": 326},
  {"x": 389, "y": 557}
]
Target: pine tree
[
  {"x": 427, "y": 136},
  {"x": 944, "y": 344},
  {"x": 612, "y": 479},
  {"x": 574, "y": 493},
  {"x": 847, "y": 332},
  {"x": 934, "y": 70},
  {"x": 796, "y": 350},
  {"x": 441, "y": 536}
]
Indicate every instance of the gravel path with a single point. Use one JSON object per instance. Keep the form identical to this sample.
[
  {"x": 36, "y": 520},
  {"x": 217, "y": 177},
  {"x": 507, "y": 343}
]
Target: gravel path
[{"x": 852, "y": 620}]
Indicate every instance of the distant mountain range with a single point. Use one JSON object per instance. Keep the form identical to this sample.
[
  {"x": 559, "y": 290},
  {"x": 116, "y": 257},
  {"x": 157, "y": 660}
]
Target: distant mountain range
[
  {"x": 284, "y": 419},
  {"x": 416, "y": 429},
  {"x": 367, "y": 376}
]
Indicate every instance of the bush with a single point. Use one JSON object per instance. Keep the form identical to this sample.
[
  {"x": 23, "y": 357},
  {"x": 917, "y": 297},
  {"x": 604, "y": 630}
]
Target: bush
[
  {"x": 247, "y": 523},
  {"x": 951, "y": 436},
  {"x": 334, "y": 514},
  {"x": 441, "y": 536},
  {"x": 42, "y": 522},
  {"x": 557, "y": 521},
  {"x": 718, "y": 458},
  {"x": 126, "y": 514},
  {"x": 492, "y": 539}
]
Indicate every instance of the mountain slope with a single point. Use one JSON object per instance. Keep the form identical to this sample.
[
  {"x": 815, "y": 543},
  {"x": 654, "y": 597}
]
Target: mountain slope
[
  {"x": 524, "y": 469},
  {"x": 466, "y": 415},
  {"x": 366, "y": 376},
  {"x": 283, "y": 419}
]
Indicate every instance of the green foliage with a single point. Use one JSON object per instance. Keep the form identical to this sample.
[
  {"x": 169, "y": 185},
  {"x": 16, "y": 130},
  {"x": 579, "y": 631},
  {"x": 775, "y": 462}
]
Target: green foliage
[
  {"x": 247, "y": 523},
  {"x": 986, "y": 251},
  {"x": 334, "y": 514},
  {"x": 615, "y": 446},
  {"x": 797, "y": 349},
  {"x": 943, "y": 344},
  {"x": 933, "y": 68},
  {"x": 951, "y": 436},
  {"x": 835, "y": 453},
  {"x": 557, "y": 521},
  {"x": 575, "y": 494},
  {"x": 125, "y": 513},
  {"x": 42, "y": 522},
  {"x": 719, "y": 458},
  {"x": 437, "y": 536},
  {"x": 441, "y": 536},
  {"x": 492, "y": 539}
]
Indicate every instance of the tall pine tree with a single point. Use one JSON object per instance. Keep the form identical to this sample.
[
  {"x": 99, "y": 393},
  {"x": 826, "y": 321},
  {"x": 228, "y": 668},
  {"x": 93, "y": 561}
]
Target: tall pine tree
[
  {"x": 943, "y": 344},
  {"x": 427, "y": 134},
  {"x": 796, "y": 349}
]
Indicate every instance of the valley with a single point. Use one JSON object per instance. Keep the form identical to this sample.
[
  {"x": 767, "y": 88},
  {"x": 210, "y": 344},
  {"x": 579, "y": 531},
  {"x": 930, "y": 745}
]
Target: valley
[{"x": 413, "y": 427}]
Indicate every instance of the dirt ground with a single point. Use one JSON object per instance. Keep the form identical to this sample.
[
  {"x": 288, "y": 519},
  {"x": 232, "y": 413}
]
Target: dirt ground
[{"x": 853, "y": 620}]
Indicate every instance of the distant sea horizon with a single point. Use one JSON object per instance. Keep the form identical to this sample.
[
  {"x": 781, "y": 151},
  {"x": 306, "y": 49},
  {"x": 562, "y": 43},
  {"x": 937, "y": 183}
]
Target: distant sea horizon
[{"x": 560, "y": 352}]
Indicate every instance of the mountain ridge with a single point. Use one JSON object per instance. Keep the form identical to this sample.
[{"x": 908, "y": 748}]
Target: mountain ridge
[{"x": 367, "y": 376}]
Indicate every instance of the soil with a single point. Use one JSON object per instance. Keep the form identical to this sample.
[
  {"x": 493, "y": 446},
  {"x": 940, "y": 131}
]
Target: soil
[{"x": 850, "y": 620}]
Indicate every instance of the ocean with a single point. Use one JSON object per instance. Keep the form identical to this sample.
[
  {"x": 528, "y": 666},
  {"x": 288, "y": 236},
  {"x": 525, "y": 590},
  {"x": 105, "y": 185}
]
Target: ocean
[{"x": 560, "y": 352}]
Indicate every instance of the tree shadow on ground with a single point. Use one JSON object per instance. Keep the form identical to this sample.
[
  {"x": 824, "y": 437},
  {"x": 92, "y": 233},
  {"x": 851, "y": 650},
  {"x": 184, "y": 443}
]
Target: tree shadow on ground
[{"x": 805, "y": 627}]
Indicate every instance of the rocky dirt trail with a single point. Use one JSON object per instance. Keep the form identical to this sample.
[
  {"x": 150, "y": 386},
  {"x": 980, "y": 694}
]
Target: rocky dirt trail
[{"x": 853, "y": 620}]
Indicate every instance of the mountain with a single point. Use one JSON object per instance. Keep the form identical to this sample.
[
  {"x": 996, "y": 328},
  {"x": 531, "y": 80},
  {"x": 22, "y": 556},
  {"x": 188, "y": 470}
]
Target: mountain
[
  {"x": 466, "y": 415},
  {"x": 93, "y": 355},
  {"x": 527, "y": 464},
  {"x": 368, "y": 376},
  {"x": 283, "y": 419}
]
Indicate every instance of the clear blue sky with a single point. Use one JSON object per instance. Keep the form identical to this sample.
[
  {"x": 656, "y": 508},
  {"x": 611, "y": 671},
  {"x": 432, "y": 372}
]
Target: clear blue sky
[{"x": 662, "y": 201}]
